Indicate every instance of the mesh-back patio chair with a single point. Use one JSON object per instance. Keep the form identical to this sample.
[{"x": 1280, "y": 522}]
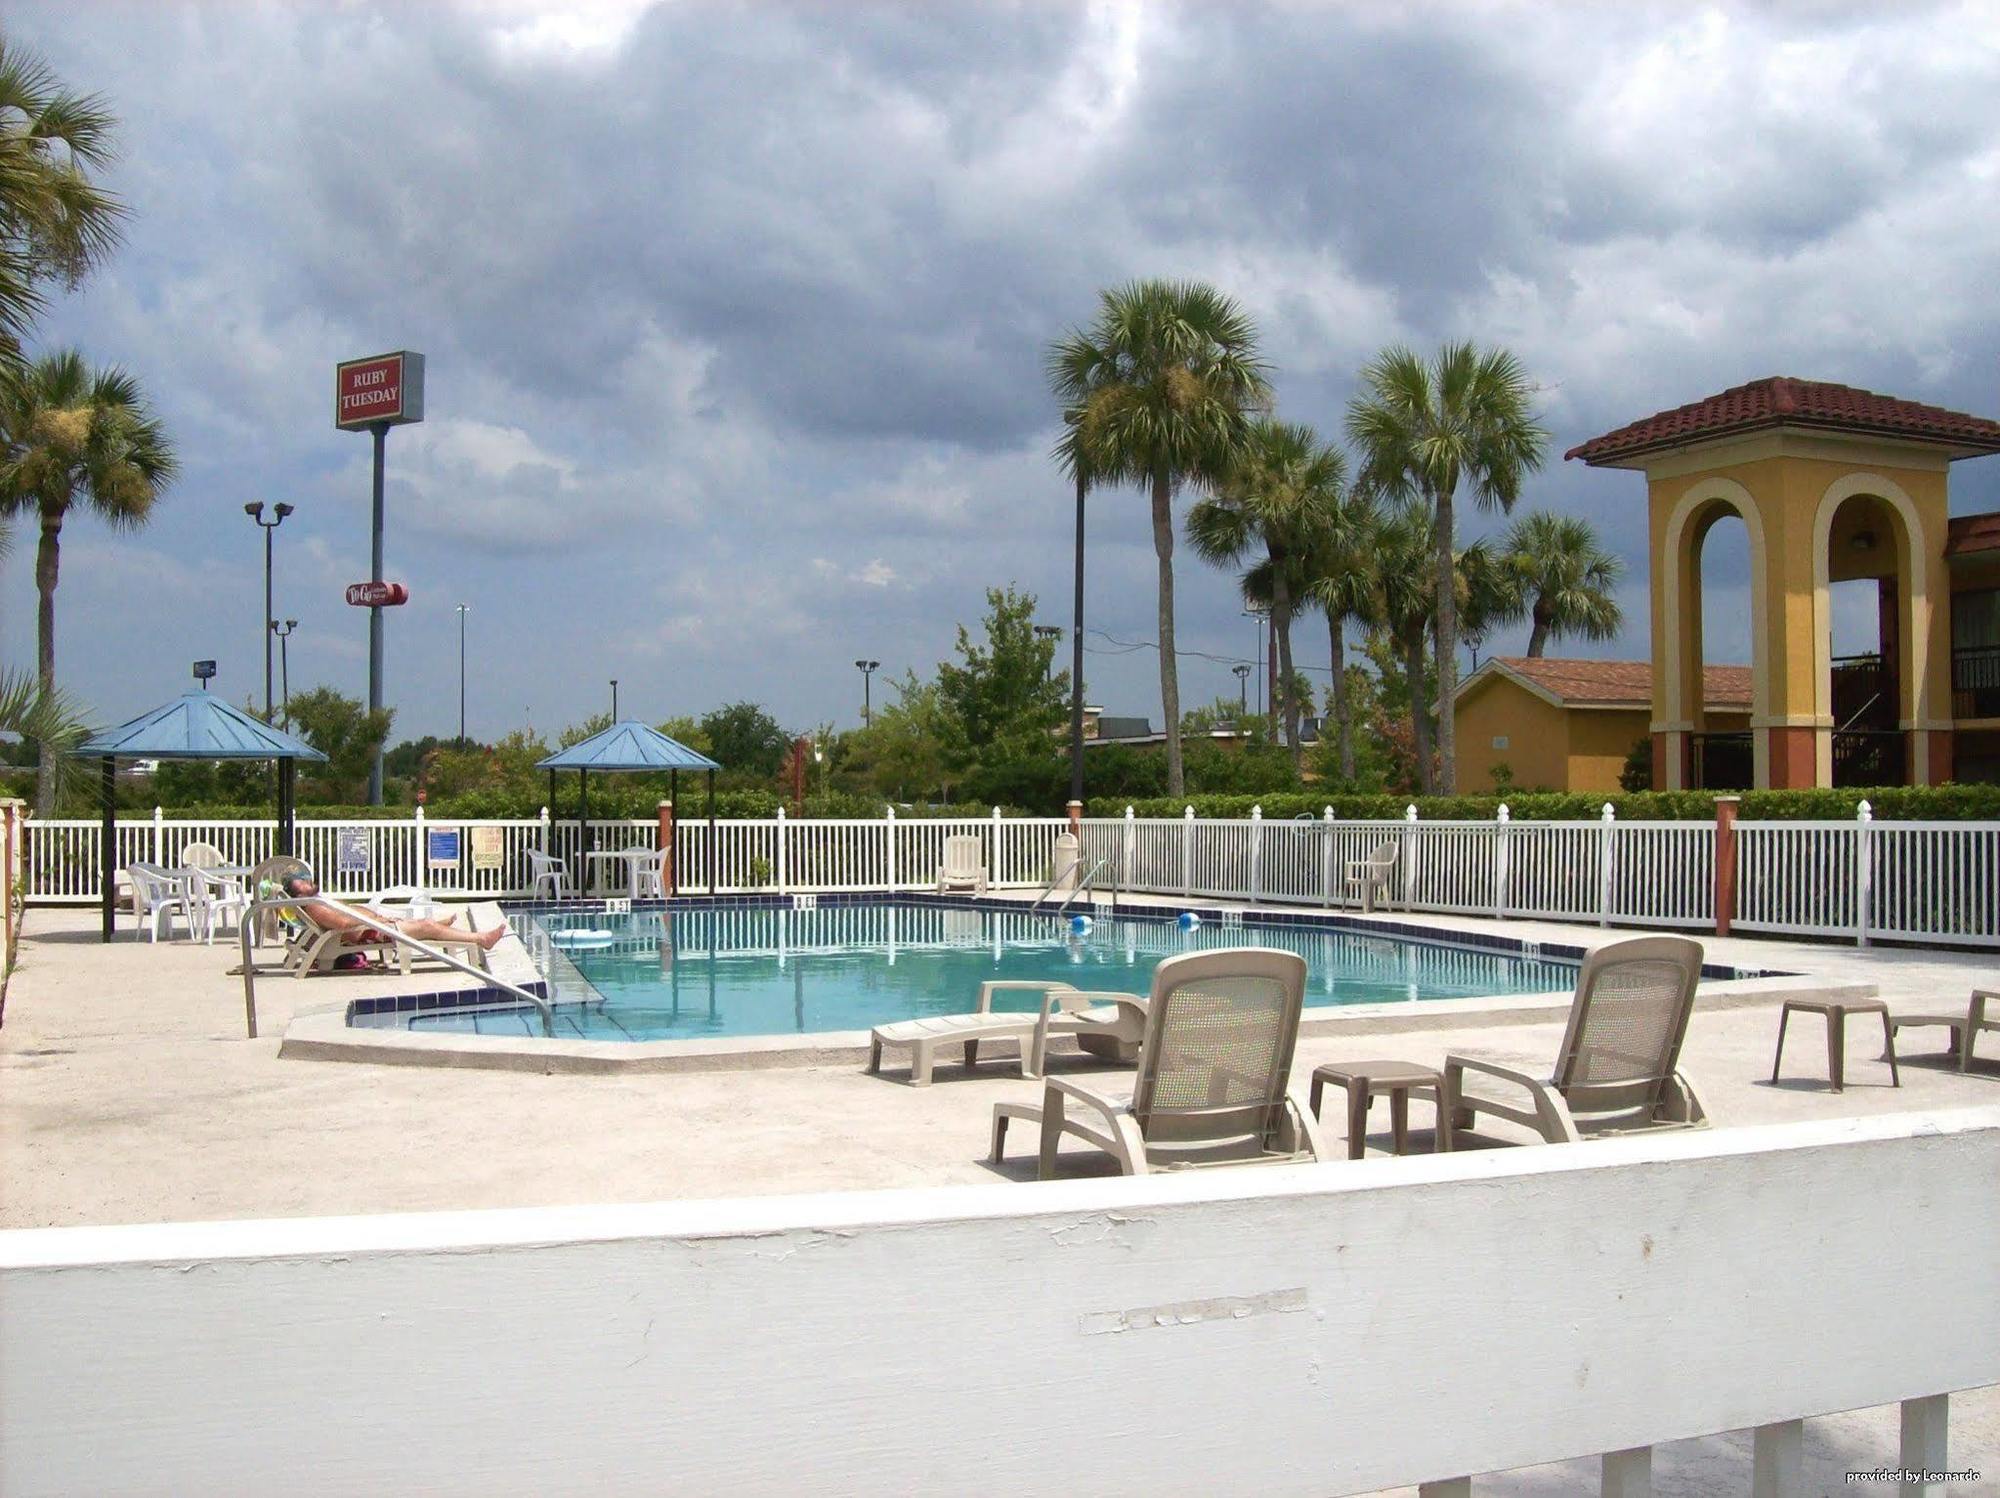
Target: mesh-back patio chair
[
  {"x": 1214, "y": 1077},
  {"x": 1618, "y": 1068}
]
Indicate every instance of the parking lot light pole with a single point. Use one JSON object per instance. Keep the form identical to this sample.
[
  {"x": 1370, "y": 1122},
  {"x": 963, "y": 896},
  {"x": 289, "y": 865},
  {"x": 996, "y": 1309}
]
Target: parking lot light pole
[
  {"x": 278, "y": 513},
  {"x": 867, "y": 669},
  {"x": 284, "y": 633}
]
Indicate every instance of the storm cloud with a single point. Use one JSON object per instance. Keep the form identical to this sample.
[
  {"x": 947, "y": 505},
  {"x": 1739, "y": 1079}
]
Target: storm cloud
[{"x": 735, "y": 315}]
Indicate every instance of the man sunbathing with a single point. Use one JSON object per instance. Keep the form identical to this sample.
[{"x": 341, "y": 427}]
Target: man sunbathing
[{"x": 357, "y": 930}]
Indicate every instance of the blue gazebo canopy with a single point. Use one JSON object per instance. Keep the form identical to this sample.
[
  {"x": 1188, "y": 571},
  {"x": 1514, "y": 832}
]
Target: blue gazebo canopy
[
  {"x": 198, "y": 725},
  {"x": 630, "y": 745}
]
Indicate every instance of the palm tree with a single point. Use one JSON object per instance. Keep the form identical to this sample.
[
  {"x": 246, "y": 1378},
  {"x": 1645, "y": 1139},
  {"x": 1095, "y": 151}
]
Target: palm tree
[
  {"x": 1164, "y": 385},
  {"x": 55, "y": 223},
  {"x": 1402, "y": 602},
  {"x": 73, "y": 435},
  {"x": 1284, "y": 494},
  {"x": 1342, "y": 579},
  {"x": 1570, "y": 577},
  {"x": 1423, "y": 429}
]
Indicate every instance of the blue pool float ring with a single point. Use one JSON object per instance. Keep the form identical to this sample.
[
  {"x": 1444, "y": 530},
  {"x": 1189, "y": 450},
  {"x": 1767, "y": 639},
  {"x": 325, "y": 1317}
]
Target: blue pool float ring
[
  {"x": 1080, "y": 925},
  {"x": 1189, "y": 921}
]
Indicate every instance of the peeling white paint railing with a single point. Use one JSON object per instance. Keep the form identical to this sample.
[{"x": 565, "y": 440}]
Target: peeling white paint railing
[{"x": 1622, "y": 1296}]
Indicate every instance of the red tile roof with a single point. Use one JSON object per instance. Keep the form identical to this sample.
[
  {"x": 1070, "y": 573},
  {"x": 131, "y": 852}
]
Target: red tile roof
[
  {"x": 1970, "y": 533},
  {"x": 1780, "y": 401},
  {"x": 1623, "y": 683}
]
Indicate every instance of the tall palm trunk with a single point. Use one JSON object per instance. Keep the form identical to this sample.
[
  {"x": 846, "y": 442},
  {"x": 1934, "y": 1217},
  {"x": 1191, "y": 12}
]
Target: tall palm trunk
[
  {"x": 1447, "y": 647},
  {"x": 1281, "y": 620},
  {"x": 1420, "y": 718},
  {"x": 1170, "y": 681},
  {"x": 48, "y": 557},
  {"x": 1343, "y": 723},
  {"x": 1538, "y": 639}
]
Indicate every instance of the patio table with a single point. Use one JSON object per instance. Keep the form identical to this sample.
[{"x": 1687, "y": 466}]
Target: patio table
[{"x": 636, "y": 860}]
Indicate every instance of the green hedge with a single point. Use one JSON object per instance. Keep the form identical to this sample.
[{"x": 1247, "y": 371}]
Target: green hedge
[
  {"x": 1898, "y": 803},
  {"x": 729, "y": 806}
]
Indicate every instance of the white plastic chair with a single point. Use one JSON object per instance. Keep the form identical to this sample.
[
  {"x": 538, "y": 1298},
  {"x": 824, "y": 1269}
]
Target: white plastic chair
[
  {"x": 554, "y": 872},
  {"x": 213, "y": 900},
  {"x": 649, "y": 876},
  {"x": 158, "y": 895},
  {"x": 202, "y": 856},
  {"x": 964, "y": 865}
]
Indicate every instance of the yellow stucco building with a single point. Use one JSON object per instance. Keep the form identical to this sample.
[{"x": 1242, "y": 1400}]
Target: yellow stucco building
[
  {"x": 1832, "y": 484},
  {"x": 1568, "y": 725}
]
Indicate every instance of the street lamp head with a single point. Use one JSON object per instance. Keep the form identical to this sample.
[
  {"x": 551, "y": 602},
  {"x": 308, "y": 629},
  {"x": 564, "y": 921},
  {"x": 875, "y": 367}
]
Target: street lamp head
[
  {"x": 255, "y": 510},
  {"x": 291, "y": 624},
  {"x": 282, "y": 510},
  {"x": 1241, "y": 670}
]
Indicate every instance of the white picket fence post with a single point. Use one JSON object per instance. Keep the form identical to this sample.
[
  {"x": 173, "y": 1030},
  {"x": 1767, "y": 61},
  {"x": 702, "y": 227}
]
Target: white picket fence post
[
  {"x": 159, "y": 838},
  {"x": 1326, "y": 857},
  {"x": 423, "y": 854},
  {"x": 1607, "y": 841},
  {"x": 1126, "y": 851},
  {"x": 1864, "y": 871},
  {"x": 1411, "y": 844},
  {"x": 546, "y": 849},
  {"x": 889, "y": 823},
  {"x": 993, "y": 873},
  {"x": 1187, "y": 853},
  {"x": 1256, "y": 851},
  {"x": 784, "y": 845},
  {"x": 1501, "y": 851}
]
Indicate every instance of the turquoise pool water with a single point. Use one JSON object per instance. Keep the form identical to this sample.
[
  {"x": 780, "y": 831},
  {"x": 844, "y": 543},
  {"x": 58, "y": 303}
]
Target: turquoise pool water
[{"x": 695, "y": 973}]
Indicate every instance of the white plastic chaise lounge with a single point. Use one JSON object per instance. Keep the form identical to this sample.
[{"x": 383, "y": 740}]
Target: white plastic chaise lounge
[
  {"x": 319, "y": 948},
  {"x": 1107, "y": 1025},
  {"x": 1618, "y": 1068},
  {"x": 964, "y": 866},
  {"x": 1214, "y": 1079}
]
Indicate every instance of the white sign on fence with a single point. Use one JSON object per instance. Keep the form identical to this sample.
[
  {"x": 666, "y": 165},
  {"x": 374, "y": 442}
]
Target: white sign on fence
[
  {"x": 353, "y": 855},
  {"x": 441, "y": 850},
  {"x": 489, "y": 847}
]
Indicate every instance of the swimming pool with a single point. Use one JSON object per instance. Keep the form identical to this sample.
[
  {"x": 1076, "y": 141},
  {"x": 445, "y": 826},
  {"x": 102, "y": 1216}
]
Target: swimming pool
[{"x": 696, "y": 973}]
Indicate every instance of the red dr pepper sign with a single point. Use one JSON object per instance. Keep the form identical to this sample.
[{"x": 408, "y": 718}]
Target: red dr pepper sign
[{"x": 385, "y": 388}]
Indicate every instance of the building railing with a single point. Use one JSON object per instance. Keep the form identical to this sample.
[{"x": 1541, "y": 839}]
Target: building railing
[
  {"x": 1975, "y": 681},
  {"x": 1292, "y": 1330},
  {"x": 1936, "y": 882}
]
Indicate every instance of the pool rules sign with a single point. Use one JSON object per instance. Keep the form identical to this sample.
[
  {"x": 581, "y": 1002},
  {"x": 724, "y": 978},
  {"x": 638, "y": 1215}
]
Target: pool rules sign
[{"x": 371, "y": 395}]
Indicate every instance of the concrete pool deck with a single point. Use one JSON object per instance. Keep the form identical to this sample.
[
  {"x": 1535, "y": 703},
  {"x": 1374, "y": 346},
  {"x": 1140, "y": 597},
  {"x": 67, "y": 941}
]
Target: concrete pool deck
[{"x": 128, "y": 1093}]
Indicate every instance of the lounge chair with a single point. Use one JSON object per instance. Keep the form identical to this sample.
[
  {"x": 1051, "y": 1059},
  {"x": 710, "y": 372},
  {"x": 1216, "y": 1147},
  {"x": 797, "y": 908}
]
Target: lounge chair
[
  {"x": 268, "y": 879},
  {"x": 1104, "y": 1024},
  {"x": 553, "y": 872},
  {"x": 212, "y": 899},
  {"x": 318, "y": 948},
  {"x": 964, "y": 866},
  {"x": 1214, "y": 1077},
  {"x": 1964, "y": 1027},
  {"x": 1373, "y": 874},
  {"x": 1617, "y": 1068}
]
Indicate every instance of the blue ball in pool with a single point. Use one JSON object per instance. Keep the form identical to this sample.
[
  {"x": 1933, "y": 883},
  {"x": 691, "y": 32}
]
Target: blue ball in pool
[
  {"x": 1079, "y": 925},
  {"x": 1189, "y": 921}
]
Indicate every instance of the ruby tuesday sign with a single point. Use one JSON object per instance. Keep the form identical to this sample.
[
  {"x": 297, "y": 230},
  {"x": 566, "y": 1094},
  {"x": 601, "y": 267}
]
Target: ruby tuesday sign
[{"x": 386, "y": 388}]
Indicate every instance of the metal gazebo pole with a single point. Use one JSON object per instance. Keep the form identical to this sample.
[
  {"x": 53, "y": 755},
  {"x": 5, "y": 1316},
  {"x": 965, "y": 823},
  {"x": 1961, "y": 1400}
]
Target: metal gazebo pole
[
  {"x": 109, "y": 836},
  {"x": 673, "y": 856},
  {"x": 287, "y": 805},
  {"x": 583, "y": 848},
  {"x": 711, "y": 832}
]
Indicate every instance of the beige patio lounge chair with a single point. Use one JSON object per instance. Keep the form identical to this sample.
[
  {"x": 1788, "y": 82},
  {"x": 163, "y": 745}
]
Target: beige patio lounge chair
[
  {"x": 1104, "y": 1024},
  {"x": 1374, "y": 873},
  {"x": 1215, "y": 1067},
  {"x": 318, "y": 948},
  {"x": 1617, "y": 1068},
  {"x": 1983, "y": 1013},
  {"x": 964, "y": 866}
]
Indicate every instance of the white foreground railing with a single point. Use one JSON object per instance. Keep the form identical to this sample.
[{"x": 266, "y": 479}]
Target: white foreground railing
[{"x": 1295, "y": 1331}]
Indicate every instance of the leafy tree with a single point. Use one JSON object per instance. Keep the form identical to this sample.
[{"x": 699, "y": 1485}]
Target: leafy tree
[
  {"x": 405, "y": 761},
  {"x": 901, "y": 754},
  {"x": 688, "y": 733},
  {"x": 1570, "y": 577},
  {"x": 1405, "y": 602},
  {"x": 347, "y": 733},
  {"x": 38, "y": 717},
  {"x": 576, "y": 733},
  {"x": 1636, "y": 774},
  {"x": 1162, "y": 388},
  {"x": 1002, "y": 702},
  {"x": 74, "y": 436},
  {"x": 1423, "y": 430},
  {"x": 56, "y": 223},
  {"x": 1282, "y": 497},
  {"x": 744, "y": 738},
  {"x": 1342, "y": 581}
]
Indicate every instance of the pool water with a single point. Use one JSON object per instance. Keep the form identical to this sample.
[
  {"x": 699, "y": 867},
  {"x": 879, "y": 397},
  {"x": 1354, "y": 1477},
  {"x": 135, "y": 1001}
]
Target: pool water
[{"x": 698, "y": 973}]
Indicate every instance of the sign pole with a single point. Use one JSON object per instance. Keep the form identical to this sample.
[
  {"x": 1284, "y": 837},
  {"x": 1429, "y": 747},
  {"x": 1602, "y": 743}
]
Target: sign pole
[{"x": 380, "y": 430}]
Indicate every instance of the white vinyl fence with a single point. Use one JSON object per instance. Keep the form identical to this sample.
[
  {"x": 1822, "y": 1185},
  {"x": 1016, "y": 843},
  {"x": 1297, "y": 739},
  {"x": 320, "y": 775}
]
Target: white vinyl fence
[{"x": 1933, "y": 882}]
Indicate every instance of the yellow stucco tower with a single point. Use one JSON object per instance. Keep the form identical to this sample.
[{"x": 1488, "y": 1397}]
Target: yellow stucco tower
[{"x": 1831, "y": 483}]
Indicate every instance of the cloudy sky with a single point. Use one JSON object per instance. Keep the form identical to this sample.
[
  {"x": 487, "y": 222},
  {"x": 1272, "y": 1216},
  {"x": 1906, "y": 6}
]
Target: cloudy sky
[{"x": 734, "y": 315}]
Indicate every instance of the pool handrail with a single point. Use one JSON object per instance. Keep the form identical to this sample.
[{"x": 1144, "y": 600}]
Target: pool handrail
[
  {"x": 421, "y": 948},
  {"x": 1078, "y": 888}
]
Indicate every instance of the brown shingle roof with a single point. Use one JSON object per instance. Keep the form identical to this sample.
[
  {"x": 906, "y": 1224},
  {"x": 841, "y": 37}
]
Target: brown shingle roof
[
  {"x": 1781, "y": 401},
  {"x": 1623, "y": 683},
  {"x": 1970, "y": 533}
]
